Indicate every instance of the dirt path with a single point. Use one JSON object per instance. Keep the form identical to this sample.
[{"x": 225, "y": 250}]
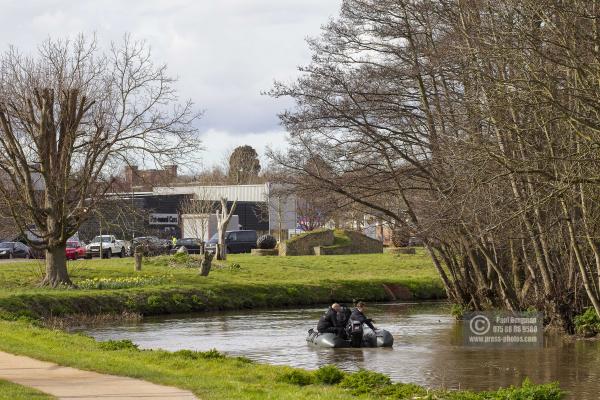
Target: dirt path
[{"x": 70, "y": 383}]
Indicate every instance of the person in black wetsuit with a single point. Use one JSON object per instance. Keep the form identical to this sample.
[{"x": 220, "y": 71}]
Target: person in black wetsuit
[
  {"x": 343, "y": 315},
  {"x": 358, "y": 315},
  {"x": 329, "y": 322},
  {"x": 357, "y": 319}
]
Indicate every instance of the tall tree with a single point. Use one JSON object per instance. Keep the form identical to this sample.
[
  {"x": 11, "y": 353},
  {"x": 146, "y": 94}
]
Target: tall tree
[
  {"x": 473, "y": 124},
  {"x": 69, "y": 116},
  {"x": 244, "y": 165}
]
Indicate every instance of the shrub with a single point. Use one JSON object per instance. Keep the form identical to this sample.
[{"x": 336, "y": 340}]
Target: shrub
[
  {"x": 458, "y": 311},
  {"x": 212, "y": 354},
  {"x": 404, "y": 391},
  {"x": 365, "y": 381},
  {"x": 187, "y": 354},
  {"x": 297, "y": 377},
  {"x": 329, "y": 375},
  {"x": 154, "y": 301},
  {"x": 528, "y": 391},
  {"x": 112, "y": 345},
  {"x": 588, "y": 323},
  {"x": 178, "y": 298},
  {"x": 266, "y": 242},
  {"x": 181, "y": 258}
]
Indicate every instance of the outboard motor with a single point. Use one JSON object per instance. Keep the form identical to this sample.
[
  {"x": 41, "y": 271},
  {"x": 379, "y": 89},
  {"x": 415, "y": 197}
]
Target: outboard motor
[
  {"x": 384, "y": 338},
  {"x": 356, "y": 333}
]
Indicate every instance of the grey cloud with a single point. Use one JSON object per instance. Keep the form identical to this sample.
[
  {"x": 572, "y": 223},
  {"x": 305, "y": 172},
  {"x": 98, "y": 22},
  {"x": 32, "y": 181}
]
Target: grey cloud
[{"x": 224, "y": 52}]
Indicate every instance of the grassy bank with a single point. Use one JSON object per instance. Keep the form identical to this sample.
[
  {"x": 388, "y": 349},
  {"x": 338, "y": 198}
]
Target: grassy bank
[
  {"x": 12, "y": 391},
  {"x": 111, "y": 286},
  {"x": 244, "y": 281},
  {"x": 210, "y": 375}
]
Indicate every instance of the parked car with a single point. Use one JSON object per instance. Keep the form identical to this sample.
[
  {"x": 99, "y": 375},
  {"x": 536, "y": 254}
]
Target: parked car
[
  {"x": 75, "y": 250},
  {"x": 153, "y": 245},
  {"x": 168, "y": 244},
  {"x": 236, "y": 241},
  {"x": 109, "y": 244},
  {"x": 15, "y": 250},
  {"x": 414, "y": 241},
  {"x": 193, "y": 245}
]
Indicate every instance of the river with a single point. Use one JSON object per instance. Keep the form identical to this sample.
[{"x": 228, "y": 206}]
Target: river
[{"x": 427, "y": 348}]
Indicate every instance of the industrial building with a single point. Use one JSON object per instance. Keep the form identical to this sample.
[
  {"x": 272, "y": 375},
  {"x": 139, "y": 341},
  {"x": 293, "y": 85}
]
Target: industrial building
[
  {"x": 259, "y": 207},
  {"x": 160, "y": 212}
]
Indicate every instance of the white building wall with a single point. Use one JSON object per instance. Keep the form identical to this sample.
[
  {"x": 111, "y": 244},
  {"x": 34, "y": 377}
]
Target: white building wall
[
  {"x": 231, "y": 192},
  {"x": 283, "y": 209},
  {"x": 204, "y": 226}
]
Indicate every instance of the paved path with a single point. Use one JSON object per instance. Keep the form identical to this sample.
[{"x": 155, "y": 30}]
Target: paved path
[{"x": 72, "y": 384}]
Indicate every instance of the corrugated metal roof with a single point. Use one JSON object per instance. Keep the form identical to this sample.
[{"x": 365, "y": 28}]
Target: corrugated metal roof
[{"x": 256, "y": 193}]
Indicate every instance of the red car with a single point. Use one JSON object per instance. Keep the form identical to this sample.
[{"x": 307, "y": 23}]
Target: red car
[{"x": 75, "y": 250}]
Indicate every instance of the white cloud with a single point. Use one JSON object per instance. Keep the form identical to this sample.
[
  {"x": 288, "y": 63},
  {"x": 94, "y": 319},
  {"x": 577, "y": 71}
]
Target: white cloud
[
  {"x": 224, "y": 52},
  {"x": 219, "y": 144}
]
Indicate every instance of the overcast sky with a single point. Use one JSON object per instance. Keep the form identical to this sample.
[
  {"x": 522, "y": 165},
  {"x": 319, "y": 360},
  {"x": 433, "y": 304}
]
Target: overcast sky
[{"x": 224, "y": 52}]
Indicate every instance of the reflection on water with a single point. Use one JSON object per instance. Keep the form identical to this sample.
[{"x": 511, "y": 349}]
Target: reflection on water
[{"x": 427, "y": 348}]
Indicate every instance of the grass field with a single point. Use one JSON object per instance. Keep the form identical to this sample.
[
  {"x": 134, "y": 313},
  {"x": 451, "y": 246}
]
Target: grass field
[
  {"x": 19, "y": 276},
  {"x": 244, "y": 281}
]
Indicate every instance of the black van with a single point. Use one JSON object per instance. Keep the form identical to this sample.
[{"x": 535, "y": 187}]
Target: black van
[{"x": 236, "y": 241}]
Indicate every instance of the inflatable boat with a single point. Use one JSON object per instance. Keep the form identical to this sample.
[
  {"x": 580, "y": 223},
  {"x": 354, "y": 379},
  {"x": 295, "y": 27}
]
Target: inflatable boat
[{"x": 378, "y": 338}]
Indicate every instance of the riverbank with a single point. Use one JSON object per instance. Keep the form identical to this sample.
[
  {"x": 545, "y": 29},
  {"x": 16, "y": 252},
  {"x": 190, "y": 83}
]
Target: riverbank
[
  {"x": 111, "y": 286},
  {"x": 165, "y": 286},
  {"x": 211, "y": 375},
  {"x": 12, "y": 391}
]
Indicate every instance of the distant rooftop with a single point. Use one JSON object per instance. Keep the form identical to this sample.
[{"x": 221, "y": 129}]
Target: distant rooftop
[{"x": 255, "y": 193}]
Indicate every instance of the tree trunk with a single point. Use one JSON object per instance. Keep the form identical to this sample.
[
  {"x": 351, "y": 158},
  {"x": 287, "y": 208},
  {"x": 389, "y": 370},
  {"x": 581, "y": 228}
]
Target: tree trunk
[
  {"x": 223, "y": 217},
  {"x": 138, "y": 261},
  {"x": 206, "y": 263},
  {"x": 221, "y": 248},
  {"x": 56, "y": 267},
  {"x": 588, "y": 283}
]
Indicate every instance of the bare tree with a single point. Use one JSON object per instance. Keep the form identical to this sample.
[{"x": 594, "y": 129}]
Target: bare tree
[
  {"x": 223, "y": 217},
  {"x": 276, "y": 206},
  {"x": 311, "y": 214},
  {"x": 69, "y": 116},
  {"x": 214, "y": 176},
  {"x": 473, "y": 125}
]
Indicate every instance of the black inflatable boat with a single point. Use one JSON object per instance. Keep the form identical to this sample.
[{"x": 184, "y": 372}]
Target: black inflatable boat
[{"x": 378, "y": 338}]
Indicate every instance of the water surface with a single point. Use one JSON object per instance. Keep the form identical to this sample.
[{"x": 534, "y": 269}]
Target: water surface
[{"x": 427, "y": 348}]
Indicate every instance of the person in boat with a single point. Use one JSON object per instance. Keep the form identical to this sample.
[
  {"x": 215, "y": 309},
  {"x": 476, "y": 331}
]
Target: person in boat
[
  {"x": 358, "y": 315},
  {"x": 343, "y": 315},
  {"x": 355, "y": 324},
  {"x": 329, "y": 322}
]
